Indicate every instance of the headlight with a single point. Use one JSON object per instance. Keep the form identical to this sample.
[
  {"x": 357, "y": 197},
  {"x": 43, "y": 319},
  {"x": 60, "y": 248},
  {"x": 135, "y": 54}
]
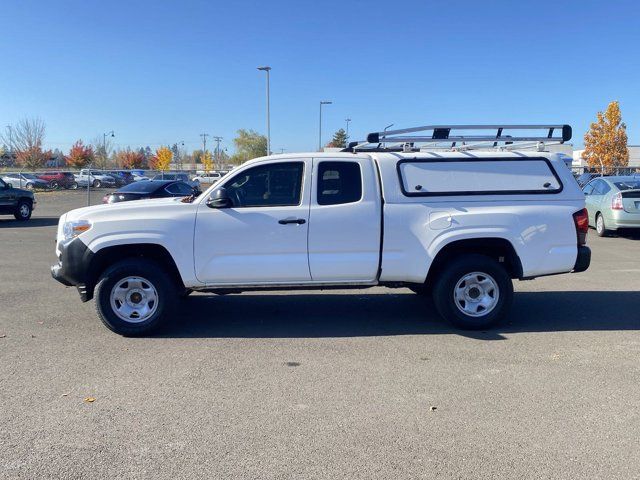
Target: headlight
[{"x": 73, "y": 229}]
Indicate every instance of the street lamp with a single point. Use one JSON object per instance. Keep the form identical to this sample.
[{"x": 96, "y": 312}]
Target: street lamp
[
  {"x": 322, "y": 102},
  {"x": 387, "y": 128},
  {"x": 347, "y": 120},
  {"x": 267, "y": 69}
]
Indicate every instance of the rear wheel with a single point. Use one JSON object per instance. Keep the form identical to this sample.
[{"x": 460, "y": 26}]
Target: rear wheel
[
  {"x": 135, "y": 297},
  {"x": 23, "y": 210},
  {"x": 73, "y": 186},
  {"x": 97, "y": 184},
  {"x": 53, "y": 185},
  {"x": 474, "y": 292},
  {"x": 601, "y": 228}
]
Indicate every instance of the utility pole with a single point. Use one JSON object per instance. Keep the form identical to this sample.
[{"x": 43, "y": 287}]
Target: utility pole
[
  {"x": 217, "y": 140},
  {"x": 323, "y": 102},
  {"x": 204, "y": 144}
]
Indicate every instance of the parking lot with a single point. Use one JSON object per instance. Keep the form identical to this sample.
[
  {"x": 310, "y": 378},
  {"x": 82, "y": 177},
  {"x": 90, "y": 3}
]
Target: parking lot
[{"x": 340, "y": 384}]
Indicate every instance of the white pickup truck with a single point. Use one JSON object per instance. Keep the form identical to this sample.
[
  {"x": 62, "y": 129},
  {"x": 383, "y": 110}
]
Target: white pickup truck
[{"x": 459, "y": 225}]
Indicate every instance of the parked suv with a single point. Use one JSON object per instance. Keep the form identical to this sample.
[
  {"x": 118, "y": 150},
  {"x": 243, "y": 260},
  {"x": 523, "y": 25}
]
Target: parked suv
[
  {"x": 16, "y": 201},
  {"x": 64, "y": 180},
  {"x": 457, "y": 225}
]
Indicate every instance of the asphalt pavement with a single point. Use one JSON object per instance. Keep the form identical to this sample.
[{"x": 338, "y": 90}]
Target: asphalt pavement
[{"x": 342, "y": 384}]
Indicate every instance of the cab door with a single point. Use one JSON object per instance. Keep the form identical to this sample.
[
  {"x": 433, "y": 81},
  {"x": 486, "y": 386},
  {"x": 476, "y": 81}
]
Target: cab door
[
  {"x": 262, "y": 237},
  {"x": 345, "y": 221}
]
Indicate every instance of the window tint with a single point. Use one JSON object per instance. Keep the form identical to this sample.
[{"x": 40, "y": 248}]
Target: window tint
[
  {"x": 600, "y": 187},
  {"x": 339, "y": 182},
  {"x": 277, "y": 184},
  {"x": 180, "y": 188},
  {"x": 588, "y": 189},
  {"x": 628, "y": 185}
]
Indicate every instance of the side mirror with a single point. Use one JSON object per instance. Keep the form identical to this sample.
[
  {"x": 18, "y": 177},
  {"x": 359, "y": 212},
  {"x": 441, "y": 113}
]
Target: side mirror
[{"x": 219, "y": 199}]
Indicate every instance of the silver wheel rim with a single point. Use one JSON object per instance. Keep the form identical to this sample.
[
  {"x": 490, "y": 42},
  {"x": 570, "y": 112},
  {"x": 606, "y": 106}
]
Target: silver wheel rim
[
  {"x": 24, "y": 210},
  {"x": 476, "y": 294},
  {"x": 134, "y": 299},
  {"x": 599, "y": 224}
]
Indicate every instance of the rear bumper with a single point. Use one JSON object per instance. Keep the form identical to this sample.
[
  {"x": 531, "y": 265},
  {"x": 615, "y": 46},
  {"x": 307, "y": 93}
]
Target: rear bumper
[
  {"x": 583, "y": 259},
  {"x": 622, "y": 219}
]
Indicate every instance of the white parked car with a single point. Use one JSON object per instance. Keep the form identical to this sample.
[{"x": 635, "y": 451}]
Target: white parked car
[
  {"x": 209, "y": 177},
  {"x": 459, "y": 225},
  {"x": 96, "y": 178}
]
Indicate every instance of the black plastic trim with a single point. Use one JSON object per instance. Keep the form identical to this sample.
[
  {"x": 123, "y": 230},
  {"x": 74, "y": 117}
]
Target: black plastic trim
[
  {"x": 583, "y": 259},
  {"x": 476, "y": 192},
  {"x": 71, "y": 270}
]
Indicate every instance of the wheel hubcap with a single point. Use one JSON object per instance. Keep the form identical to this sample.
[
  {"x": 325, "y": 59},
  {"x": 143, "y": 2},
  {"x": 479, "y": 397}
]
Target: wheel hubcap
[
  {"x": 134, "y": 299},
  {"x": 476, "y": 294},
  {"x": 600, "y": 224},
  {"x": 24, "y": 210}
]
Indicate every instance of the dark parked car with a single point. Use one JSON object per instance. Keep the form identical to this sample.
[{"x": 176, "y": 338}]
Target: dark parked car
[
  {"x": 149, "y": 189},
  {"x": 16, "y": 201},
  {"x": 60, "y": 180},
  {"x": 122, "y": 177}
]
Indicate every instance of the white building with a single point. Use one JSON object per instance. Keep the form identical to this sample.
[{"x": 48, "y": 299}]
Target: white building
[{"x": 634, "y": 157}]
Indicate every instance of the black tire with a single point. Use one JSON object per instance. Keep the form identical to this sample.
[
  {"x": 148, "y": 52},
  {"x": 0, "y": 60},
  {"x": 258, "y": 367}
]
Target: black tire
[
  {"x": 53, "y": 185},
  {"x": 601, "y": 228},
  {"x": 30, "y": 186},
  {"x": 154, "y": 275},
  {"x": 445, "y": 288},
  {"x": 73, "y": 186},
  {"x": 97, "y": 184},
  {"x": 23, "y": 210}
]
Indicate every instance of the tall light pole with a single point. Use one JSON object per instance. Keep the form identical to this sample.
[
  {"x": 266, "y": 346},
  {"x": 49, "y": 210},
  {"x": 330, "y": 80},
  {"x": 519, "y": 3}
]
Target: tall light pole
[
  {"x": 347, "y": 120},
  {"x": 322, "y": 102},
  {"x": 267, "y": 69}
]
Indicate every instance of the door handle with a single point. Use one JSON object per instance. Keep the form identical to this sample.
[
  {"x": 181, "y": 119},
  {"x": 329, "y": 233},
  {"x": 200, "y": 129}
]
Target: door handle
[{"x": 287, "y": 221}]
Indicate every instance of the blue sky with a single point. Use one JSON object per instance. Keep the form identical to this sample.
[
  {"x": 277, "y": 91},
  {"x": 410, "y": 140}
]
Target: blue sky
[{"x": 163, "y": 71}]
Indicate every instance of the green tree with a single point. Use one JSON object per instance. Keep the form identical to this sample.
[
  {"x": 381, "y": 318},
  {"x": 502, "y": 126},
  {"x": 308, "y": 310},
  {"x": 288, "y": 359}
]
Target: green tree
[
  {"x": 249, "y": 144},
  {"x": 339, "y": 139}
]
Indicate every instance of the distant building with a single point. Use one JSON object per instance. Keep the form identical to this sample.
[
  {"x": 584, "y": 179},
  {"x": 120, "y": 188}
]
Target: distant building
[{"x": 634, "y": 157}]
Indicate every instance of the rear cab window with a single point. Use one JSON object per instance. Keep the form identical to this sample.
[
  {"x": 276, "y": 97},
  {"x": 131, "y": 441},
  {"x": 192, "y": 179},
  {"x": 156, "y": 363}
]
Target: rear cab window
[{"x": 339, "y": 183}]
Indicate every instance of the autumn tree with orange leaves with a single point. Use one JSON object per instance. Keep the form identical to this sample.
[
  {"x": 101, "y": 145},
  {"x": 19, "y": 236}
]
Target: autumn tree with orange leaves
[
  {"x": 80, "y": 155},
  {"x": 129, "y": 159},
  {"x": 605, "y": 144}
]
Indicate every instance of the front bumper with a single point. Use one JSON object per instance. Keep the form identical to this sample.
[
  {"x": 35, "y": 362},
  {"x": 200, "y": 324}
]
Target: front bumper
[
  {"x": 73, "y": 265},
  {"x": 583, "y": 260}
]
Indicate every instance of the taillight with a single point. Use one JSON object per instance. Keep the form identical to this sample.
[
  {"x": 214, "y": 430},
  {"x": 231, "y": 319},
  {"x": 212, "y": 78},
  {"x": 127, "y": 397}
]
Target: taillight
[
  {"x": 581, "y": 221},
  {"x": 616, "y": 202}
]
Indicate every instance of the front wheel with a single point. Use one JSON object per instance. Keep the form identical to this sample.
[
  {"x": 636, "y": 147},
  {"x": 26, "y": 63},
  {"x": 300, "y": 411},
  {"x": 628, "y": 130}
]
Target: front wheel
[
  {"x": 23, "y": 211},
  {"x": 53, "y": 185},
  {"x": 73, "y": 186},
  {"x": 135, "y": 297},
  {"x": 474, "y": 292},
  {"x": 97, "y": 184}
]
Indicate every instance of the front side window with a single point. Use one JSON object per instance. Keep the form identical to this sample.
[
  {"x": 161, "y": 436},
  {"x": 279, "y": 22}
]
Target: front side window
[
  {"x": 273, "y": 185},
  {"x": 339, "y": 182}
]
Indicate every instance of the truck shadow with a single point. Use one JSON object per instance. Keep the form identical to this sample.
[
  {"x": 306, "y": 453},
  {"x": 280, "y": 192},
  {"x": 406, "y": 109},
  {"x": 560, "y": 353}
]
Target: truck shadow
[{"x": 364, "y": 314}]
